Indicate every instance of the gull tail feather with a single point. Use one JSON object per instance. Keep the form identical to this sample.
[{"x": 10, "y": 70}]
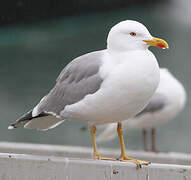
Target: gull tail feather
[{"x": 43, "y": 121}]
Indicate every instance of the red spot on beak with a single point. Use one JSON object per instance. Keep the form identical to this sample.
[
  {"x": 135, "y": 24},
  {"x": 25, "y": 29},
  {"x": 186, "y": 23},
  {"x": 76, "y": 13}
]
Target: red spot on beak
[{"x": 160, "y": 45}]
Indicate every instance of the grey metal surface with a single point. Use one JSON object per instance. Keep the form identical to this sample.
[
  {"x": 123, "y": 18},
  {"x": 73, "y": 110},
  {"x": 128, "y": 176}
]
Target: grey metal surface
[
  {"x": 33, "y": 167},
  {"x": 86, "y": 152}
]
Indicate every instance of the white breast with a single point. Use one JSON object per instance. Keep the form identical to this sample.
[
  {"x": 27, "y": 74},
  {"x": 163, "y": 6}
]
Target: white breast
[{"x": 129, "y": 82}]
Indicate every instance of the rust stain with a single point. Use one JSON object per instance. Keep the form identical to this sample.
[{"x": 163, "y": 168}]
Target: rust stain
[{"x": 115, "y": 171}]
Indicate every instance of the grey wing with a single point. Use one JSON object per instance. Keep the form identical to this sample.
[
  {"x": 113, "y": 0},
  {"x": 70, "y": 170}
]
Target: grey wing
[
  {"x": 157, "y": 102},
  {"x": 77, "y": 79}
]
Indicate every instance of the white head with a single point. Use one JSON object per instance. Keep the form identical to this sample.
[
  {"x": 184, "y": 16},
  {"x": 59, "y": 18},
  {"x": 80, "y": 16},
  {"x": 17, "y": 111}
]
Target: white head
[{"x": 132, "y": 35}]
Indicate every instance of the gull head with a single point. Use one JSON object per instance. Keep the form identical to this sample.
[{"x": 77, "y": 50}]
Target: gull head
[{"x": 132, "y": 35}]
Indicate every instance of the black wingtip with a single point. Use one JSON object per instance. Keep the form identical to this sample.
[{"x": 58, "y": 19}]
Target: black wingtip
[
  {"x": 12, "y": 126},
  {"x": 25, "y": 119}
]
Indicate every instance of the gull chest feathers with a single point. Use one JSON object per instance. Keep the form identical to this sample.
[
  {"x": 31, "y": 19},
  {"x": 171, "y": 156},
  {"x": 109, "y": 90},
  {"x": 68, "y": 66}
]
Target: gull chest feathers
[{"x": 131, "y": 72}]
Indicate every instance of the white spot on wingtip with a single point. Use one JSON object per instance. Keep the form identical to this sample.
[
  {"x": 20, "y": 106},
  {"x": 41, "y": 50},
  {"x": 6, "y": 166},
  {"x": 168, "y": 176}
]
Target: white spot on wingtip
[{"x": 10, "y": 127}]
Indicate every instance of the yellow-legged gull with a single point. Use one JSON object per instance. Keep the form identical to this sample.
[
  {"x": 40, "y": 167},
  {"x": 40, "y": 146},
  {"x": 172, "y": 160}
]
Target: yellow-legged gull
[{"x": 105, "y": 86}]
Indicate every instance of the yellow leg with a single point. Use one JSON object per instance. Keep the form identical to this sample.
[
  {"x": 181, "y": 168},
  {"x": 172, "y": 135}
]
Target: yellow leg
[
  {"x": 96, "y": 154},
  {"x": 123, "y": 156}
]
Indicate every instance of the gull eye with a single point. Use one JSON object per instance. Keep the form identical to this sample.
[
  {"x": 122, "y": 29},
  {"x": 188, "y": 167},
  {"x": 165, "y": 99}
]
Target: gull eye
[{"x": 133, "y": 34}]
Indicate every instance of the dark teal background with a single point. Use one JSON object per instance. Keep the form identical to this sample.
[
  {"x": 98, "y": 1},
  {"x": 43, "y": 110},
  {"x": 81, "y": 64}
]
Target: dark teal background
[{"x": 32, "y": 56}]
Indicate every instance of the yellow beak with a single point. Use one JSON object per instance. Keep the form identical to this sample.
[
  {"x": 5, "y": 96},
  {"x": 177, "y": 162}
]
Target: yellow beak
[{"x": 157, "y": 42}]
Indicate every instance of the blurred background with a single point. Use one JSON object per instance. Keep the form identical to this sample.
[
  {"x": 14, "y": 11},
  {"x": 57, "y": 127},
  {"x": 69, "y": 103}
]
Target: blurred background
[{"x": 38, "y": 38}]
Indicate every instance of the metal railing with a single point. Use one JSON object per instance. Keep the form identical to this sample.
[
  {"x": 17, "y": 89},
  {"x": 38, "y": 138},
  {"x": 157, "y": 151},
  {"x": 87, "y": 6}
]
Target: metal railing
[{"x": 19, "y": 161}]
